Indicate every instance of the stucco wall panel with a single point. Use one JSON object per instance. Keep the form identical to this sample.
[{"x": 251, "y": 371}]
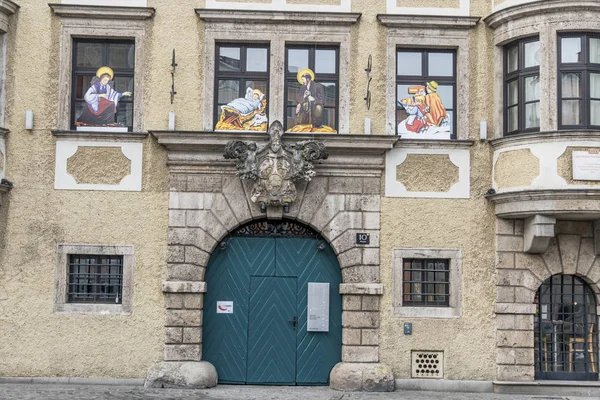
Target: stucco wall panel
[
  {"x": 516, "y": 168},
  {"x": 99, "y": 165},
  {"x": 427, "y": 173}
]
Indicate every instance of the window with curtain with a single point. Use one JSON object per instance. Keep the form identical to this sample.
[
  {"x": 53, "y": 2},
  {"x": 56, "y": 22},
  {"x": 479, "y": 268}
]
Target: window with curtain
[
  {"x": 522, "y": 86},
  {"x": 579, "y": 80}
]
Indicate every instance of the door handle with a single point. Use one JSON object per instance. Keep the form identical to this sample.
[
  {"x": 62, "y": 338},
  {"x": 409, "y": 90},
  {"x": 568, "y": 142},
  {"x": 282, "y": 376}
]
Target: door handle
[{"x": 294, "y": 322}]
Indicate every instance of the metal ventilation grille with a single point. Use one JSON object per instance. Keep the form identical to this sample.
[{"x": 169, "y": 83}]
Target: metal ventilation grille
[{"x": 428, "y": 364}]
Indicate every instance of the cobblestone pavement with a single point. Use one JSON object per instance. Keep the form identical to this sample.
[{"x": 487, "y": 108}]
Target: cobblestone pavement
[{"x": 223, "y": 392}]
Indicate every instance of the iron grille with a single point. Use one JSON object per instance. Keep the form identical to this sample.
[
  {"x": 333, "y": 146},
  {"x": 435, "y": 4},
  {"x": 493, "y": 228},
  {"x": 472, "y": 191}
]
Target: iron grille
[
  {"x": 426, "y": 282},
  {"x": 566, "y": 330},
  {"x": 281, "y": 228},
  {"x": 95, "y": 279}
]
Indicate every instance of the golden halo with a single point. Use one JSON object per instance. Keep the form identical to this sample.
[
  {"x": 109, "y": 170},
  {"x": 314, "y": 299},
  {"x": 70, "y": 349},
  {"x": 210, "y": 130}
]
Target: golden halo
[
  {"x": 305, "y": 71},
  {"x": 105, "y": 70}
]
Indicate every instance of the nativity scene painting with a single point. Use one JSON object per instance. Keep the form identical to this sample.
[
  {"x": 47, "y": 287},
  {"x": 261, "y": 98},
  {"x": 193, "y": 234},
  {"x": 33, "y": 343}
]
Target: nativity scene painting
[
  {"x": 422, "y": 113},
  {"x": 246, "y": 113},
  {"x": 101, "y": 102}
]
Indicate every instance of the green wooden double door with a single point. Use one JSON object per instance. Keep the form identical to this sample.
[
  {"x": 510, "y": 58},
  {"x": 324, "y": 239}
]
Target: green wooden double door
[{"x": 259, "y": 334}]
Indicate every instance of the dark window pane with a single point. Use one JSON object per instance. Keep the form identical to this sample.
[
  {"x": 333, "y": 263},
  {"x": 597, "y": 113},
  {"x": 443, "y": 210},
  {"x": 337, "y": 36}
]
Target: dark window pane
[
  {"x": 82, "y": 85},
  {"x": 330, "y": 94},
  {"x": 293, "y": 93},
  {"x": 123, "y": 84},
  {"x": 532, "y": 88},
  {"x": 228, "y": 90},
  {"x": 89, "y": 55},
  {"x": 441, "y": 64},
  {"x": 571, "y": 85},
  {"x": 571, "y": 112},
  {"x": 409, "y": 63},
  {"x": 121, "y": 55},
  {"x": 325, "y": 62},
  {"x": 297, "y": 59},
  {"x": 595, "y": 50},
  {"x": 513, "y": 118},
  {"x": 532, "y": 54},
  {"x": 570, "y": 49},
  {"x": 532, "y": 115},
  {"x": 513, "y": 92},
  {"x": 512, "y": 58},
  {"x": 329, "y": 116},
  {"x": 446, "y": 93},
  {"x": 229, "y": 59},
  {"x": 125, "y": 113},
  {"x": 256, "y": 60}
]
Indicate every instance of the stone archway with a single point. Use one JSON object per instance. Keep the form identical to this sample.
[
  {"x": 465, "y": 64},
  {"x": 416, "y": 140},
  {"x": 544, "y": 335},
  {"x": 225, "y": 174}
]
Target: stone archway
[
  {"x": 570, "y": 252},
  {"x": 207, "y": 200}
]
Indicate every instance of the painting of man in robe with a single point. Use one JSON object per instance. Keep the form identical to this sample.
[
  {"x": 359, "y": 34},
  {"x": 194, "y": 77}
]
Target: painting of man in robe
[
  {"x": 423, "y": 113},
  {"x": 101, "y": 101},
  {"x": 310, "y": 107},
  {"x": 245, "y": 113}
]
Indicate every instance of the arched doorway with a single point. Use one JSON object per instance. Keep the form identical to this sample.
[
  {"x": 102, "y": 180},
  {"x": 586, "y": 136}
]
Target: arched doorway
[
  {"x": 256, "y": 319},
  {"x": 566, "y": 330}
]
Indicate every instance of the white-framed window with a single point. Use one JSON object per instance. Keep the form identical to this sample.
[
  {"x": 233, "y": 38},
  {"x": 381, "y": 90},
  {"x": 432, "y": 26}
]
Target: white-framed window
[
  {"x": 427, "y": 283},
  {"x": 94, "y": 279}
]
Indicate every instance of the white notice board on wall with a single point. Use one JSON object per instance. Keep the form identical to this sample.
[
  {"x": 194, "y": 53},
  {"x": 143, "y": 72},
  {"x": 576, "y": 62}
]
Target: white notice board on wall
[{"x": 586, "y": 165}]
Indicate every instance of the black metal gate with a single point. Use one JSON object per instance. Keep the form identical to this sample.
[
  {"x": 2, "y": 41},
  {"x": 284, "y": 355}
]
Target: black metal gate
[{"x": 566, "y": 330}]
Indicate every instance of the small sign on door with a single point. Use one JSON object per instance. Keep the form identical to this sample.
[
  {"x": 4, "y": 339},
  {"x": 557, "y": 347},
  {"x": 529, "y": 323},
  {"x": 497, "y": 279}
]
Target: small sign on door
[{"x": 224, "y": 307}]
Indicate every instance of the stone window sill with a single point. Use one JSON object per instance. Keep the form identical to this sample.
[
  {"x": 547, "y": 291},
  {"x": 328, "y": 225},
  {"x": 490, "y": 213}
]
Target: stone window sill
[
  {"x": 278, "y": 17},
  {"x": 434, "y": 144},
  {"x": 426, "y": 312},
  {"x": 109, "y": 136},
  {"x": 90, "y": 309}
]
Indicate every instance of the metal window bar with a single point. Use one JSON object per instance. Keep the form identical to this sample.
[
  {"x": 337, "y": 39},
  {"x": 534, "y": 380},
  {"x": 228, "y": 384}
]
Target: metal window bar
[
  {"x": 95, "y": 279},
  {"x": 426, "y": 282},
  {"x": 566, "y": 330}
]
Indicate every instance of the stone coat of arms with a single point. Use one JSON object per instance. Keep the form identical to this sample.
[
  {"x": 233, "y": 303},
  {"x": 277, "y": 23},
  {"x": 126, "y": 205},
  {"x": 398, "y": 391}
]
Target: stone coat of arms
[{"x": 274, "y": 166}]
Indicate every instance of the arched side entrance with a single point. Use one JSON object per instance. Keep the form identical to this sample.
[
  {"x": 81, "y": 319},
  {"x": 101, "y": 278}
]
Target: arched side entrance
[
  {"x": 566, "y": 330},
  {"x": 256, "y": 317}
]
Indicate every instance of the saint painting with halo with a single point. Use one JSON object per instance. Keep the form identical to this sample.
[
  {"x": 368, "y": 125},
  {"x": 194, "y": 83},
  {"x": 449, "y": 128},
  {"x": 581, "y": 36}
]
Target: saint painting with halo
[
  {"x": 311, "y": 104},
  {"x": 102, "y": 100}
]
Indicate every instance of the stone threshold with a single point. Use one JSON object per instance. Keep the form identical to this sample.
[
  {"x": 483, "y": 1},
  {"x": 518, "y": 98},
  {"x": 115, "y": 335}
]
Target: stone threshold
[
  {"x": 444, "y": 385},
  {"x": 73, "y": 381},
  {"x": 549, "y": 388}
]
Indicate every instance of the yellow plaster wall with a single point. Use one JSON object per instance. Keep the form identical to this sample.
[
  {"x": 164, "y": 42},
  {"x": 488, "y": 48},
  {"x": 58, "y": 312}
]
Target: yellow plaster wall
[
  {"x": 428, "y": 4},
  {"x": 468, "y": 342},
  {"x": 1, "y": 161},
  {"x": 98, "y": 165},
  {"x": 35, "y": 341},
  {"x": 516, "y": 168},
  {"x": 565, "y": 167}
]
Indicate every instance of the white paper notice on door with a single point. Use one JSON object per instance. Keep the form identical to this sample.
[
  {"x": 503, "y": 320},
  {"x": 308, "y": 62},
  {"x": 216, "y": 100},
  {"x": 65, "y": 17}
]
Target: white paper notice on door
[
  {"x": 318, "y": 307},
  {"x": 224, "y": 307}
]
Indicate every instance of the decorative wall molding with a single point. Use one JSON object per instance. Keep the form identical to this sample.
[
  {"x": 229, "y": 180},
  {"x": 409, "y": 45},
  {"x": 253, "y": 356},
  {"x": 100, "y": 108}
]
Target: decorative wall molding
[
  {"x": 458, "y": 157},
  {"x": 65, "y": 149},
  {"x": 7, "y": 8},
  {"x": 280, "y": 5},
  {"x": 464, "y": 9},
  {"x": 428, "y": 21},
  {"x": 101, "y": 11},
  {"x": 277, "y": 17}
]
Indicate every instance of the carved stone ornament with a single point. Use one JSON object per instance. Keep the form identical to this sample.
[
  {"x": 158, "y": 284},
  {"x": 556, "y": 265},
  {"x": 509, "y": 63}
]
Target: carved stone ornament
[{"x": 274, "y": 166}]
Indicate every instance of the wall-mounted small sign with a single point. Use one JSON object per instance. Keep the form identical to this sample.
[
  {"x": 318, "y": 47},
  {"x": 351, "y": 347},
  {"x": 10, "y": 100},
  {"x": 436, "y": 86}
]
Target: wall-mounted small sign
[
  {"x": 408, "y": 328},
  {"x": 363, "y": 238},
  {"x": 586, "y": 165},
  {"x": 224, "y": 307}
]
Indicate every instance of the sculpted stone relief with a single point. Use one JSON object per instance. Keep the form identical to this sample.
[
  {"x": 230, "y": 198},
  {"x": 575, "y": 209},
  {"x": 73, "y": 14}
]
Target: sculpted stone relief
[{"x": 274, "y": 166}]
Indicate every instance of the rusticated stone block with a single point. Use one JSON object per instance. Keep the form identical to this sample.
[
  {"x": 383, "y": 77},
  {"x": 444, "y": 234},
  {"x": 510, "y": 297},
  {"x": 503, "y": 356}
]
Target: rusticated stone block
[
  {"x": 177, "y": 218},
  {"x": 361, "y": 273},
  {"x": 183, "y": 352},
  {"x": 315, "y": 193},
  {"x": 343, "y": 184},
  {"x": 505, "y": 322},
  {"x": 184, "y": 272},
  {"x": 204, "y": 183},
  {"x": 505, "y": 260},
  {"x": 186, "y": 201},
  {"x": 370, "y": 337},
  {"x": 217, "y": 203},
  {"x": 514, "y": 338},
  {"x": 194, "y": 255},
  {"x": 351, "y": 302},
  {"x": 505, "y": 226},
  {"x": 350, "y": 258},
  {"x": 371, "y": 220},
  {"x": 342, "y": 221},
  {"x": 192, "y": 335},
  {"x": 173, "y": 335},
  {"x": 175, "y": 254},
  {"x": 364, "y": 354},
  {"x": 355, "y": 202},
  {"x": 509, "y": 243},
  {"x": 361, "y": 319},
  {"x": 505, "y": 294},
  {"x": 178, "y": 183},
  {"x": 533, "y": 263},
  {"x": 371, "y": 185},
  {"x": 206, "y": 220},
  {"x": 193, "y": 301},
  {"x": 515, "y": 373},
  {"x": 184, "y": 318},
  {"x": 326, "y": 212},
  {"x": 524, "y": 295},
  {"x": 524, "y": 322},
  {"x": 174, "y": 300},
  {"x": 192, "y": 237},
  {"x": 351, "y": 336},
  {"x": 505, "y": 356},
  {"x": 370, "y": 303},
  {"x": 370, "y": 256}
]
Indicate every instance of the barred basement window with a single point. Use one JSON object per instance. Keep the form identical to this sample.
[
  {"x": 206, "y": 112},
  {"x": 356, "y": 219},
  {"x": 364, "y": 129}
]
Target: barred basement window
[
  {"x": 95, "y": 279},
  {"x": 426, "y": 282}
]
